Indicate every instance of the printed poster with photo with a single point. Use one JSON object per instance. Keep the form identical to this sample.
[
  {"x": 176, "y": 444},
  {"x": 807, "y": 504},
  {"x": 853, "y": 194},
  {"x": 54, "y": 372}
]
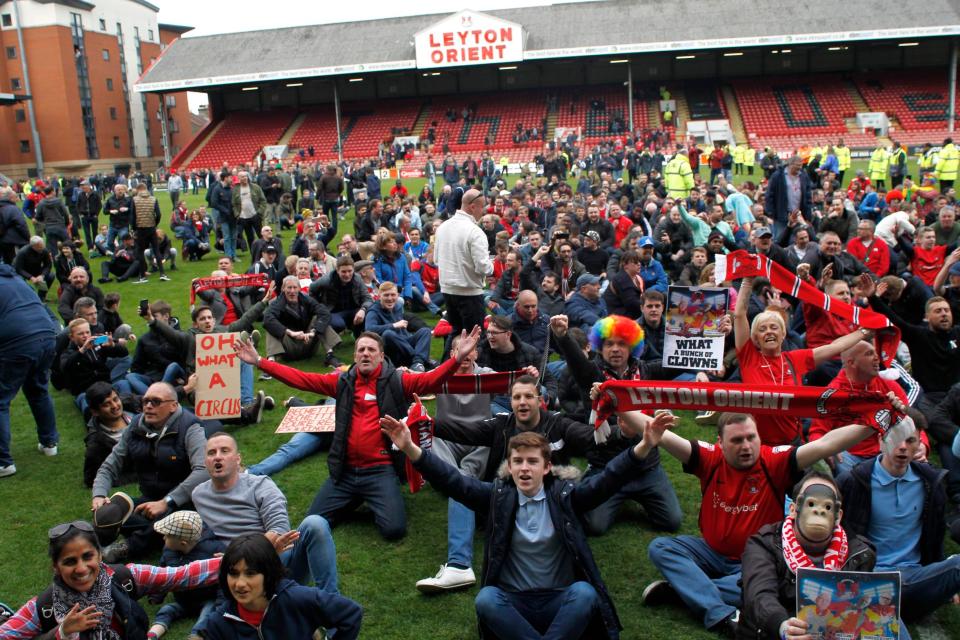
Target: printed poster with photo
[
  {"x": 692, "y": 337},
  {"x": 849, "y": 605}
]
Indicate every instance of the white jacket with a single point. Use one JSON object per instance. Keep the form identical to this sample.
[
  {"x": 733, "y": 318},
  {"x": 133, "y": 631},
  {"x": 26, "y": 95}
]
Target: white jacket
[{"x": 462, "y": 256}]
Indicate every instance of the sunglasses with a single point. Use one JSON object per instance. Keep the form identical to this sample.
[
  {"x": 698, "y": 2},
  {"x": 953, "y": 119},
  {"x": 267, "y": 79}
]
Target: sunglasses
[
  {"x": 62, "y": 529},
  {"x": 155, "y": 402}
]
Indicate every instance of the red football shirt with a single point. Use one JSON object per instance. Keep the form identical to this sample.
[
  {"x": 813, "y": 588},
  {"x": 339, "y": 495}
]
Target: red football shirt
[
  {"x": 787, "y": 369},
  {"x": 736, "y": 503}
]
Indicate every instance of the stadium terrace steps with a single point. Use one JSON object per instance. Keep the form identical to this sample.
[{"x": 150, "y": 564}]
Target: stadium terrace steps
[
  {"x": 189, "y": 152},
  {"x": 733, "y": 110},
  {"x": 241, "y": 136},
  {"x": 918, "y": 101},
  {"x": 857, "y": 98},
  {"x": 292, "y": 129}
]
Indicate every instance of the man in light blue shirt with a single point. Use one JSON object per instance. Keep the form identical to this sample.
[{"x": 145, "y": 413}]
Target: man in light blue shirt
[{"x": 898, "y": 501}]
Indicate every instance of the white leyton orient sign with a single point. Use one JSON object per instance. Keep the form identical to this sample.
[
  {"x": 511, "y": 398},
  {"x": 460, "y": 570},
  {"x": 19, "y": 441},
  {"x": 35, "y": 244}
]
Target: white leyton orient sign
[{"x": 468, "y": 38}]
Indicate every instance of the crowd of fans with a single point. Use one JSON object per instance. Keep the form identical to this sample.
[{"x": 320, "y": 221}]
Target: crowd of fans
[{"x": 540, "y": 290}]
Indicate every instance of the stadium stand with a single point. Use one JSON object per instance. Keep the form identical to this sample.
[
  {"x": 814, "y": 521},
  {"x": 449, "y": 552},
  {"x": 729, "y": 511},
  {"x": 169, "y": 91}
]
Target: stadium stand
[
  {"x": 241, "y": 136},
  {"x": 493, "y": 117},
  {"x": 795, "y": 107},
  {"x": 918, "y": 102}
]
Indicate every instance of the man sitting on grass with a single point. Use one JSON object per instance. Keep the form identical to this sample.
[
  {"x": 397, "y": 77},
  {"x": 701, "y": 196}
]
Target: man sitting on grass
[{"x": 540, "y": 578}]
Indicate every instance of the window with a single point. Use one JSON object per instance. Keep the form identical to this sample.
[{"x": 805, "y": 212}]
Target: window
[
  {"x": 171, "y": 101},
  {"x": 150, "y": 35},
  {"x": 24, "y": 146},
  {"x": 15, "y": 83},
  {"x": 116, "y": 142},
  {"x": 11, "y": 53},
  {"x": 109, "y": 84},
  {"x": 103, "y": 24},
  {"x": 6, "y": 20},
  {"x": 113, "y": 113},
  {"x": 20, "y": 115},
  {"x": 174, "y": 126},
  {"x": 106, "y": 54}
]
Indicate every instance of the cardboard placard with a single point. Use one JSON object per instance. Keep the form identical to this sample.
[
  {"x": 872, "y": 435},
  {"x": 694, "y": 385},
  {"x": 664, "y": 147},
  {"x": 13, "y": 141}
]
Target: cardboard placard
[
  {"x": 849, "y": 605},
  {"x": 318, "y": 418},
  {"x": 218, "y": 376},
  {"x": 692, "y": 339}
]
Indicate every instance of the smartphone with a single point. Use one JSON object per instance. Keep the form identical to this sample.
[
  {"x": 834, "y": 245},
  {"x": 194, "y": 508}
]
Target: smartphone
[
  {"x": 100, "y": 340},
  {"x": 143, "y": 306}
]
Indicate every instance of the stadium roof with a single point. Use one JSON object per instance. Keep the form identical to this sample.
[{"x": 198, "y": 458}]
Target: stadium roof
[{"x": 614, "y": 27}]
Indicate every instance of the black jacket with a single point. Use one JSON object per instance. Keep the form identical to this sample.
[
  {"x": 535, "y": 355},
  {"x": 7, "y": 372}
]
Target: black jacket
[
  {"x": 63, "y": 267},
  {"x": 98, "y": 445},
  {"x": 309, "y": 316},
  {"x": 567, "y": 502},
  {"x": 326, "y": 291},
  {"x": 13, "y": 225},
  {"x": 80, "y": 370},
  {"x": 623, "y": 297},
  {"x": 123, "y": 208},
  {"x": 942, "y": 422},
  {"x": 89, "y": 204},
  {"x": 523, "y": 355},
  {"x": 52, "y": 213},
  {"x": 70, "y": 295},
  {"x": 154, "y": 354},
  {"x": 770, "y": 588},
  {"x": 567, "y": 437},
  {"x": 29, "y": 263},
  {"x": 856, "y": 489}
]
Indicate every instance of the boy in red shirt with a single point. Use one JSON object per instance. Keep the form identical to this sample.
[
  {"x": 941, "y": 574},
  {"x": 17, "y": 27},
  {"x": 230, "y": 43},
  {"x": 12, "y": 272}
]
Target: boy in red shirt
[
  {"x": 926, "y": 256},
  {"x": 743, "y": 484}
]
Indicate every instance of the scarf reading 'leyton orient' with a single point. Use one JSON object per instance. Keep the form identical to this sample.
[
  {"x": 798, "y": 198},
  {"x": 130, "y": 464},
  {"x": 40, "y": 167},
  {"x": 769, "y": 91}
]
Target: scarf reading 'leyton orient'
[
  {"x": 227, "y": 282},
  {"x": 420, "y": 423},
  {"x": 804, "y": 402},
  {"x": 741, "y": 264}
]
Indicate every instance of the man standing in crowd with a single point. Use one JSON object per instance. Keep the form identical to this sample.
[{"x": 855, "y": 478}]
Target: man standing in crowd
[
  {"x": 788, "y": 191},
  {"x": 28, "y": 335},
  {"x": 144, "y": 221},
  {"x": 463, "y": 258},
  {"x": 248, "y": 203}
]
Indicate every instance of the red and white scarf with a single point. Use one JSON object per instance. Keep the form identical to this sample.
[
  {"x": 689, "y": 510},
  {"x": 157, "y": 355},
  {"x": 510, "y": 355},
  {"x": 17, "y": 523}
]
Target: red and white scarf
[
  {"x": 741, "y": 264},
  {"x": 796, "y": 558},
  {"x": 259, "y": 280},
  {"x": 804, "y": 402}
]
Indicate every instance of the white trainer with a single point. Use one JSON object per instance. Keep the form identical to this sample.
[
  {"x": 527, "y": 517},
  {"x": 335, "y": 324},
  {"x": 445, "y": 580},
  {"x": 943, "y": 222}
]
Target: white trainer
[
  {"x": 447, "y": 579},
  {"x": 47, "y": 451},
  {"x": 8, "y": 470}
]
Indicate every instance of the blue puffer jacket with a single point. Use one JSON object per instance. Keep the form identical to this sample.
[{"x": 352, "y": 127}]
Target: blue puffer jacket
[
  {"x": 293, "y": 613},
  {"x": 654, "y": 277},
  {"x": 584, "y": 313},
  {"x": 396, "y": 271}
]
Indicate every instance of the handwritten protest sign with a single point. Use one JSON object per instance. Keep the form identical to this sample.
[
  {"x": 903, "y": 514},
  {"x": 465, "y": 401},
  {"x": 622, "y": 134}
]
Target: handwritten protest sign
[
  {"x": 312, "y": 419},
  {"x": 218, "y": 376},
  {"x": 692, "y": 339},
  {"x": 849, "y": 605}
]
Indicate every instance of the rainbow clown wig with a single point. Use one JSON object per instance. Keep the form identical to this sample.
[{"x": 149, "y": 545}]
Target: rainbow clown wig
[{"x": 617, "y": 327}]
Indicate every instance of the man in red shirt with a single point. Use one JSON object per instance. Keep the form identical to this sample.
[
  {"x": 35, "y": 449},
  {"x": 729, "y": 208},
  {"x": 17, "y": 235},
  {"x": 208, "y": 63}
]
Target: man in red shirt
[
  {"x": 743, "y": 484},
  {"x": 869, "y": 249},
  {"x": 861, "y": 372},
  {"x": 362, "y": 468}
]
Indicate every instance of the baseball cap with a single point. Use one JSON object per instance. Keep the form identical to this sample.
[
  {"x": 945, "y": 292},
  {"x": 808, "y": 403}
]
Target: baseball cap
[
  {"x": 644, "y": 241},
  {"x": 593, "y": 235},
  {"x": 954, "y": 269},
  {"x": 764, "y": 231},
  {"x": 182, "y": 524},
  {"x": 587, "y": 278},
  {"x": 269, "y": 249}
]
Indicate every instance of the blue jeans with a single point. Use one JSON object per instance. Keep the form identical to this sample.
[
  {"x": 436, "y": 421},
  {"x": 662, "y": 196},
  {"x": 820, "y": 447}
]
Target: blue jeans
[
  {"x": 300, "y": 446},
  {"x": 28, "y": 367},
  {"x": 377, "y": 486},
  {"x": 173, "y": 611},
  {"x": 654, "y": 493},
  {"x": 705, "y": 580},
  {"x": 924, "y": 589},
  {"x": 560, "y": 614},
  {"x": 139, "y": 383},
  {"x": 313, "y": 555},
  {"x": 246, "y": 383},
  {"x": 461, "y": 520},
  {"x": 112, "y": 234},
  {"x": 342, "y": 320},
  {"x": 228, "y": 231},
  {"x": 848, "y": 462},
  {"x": 557, "y": 367},
  {"x": 409, "y": 347}
]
